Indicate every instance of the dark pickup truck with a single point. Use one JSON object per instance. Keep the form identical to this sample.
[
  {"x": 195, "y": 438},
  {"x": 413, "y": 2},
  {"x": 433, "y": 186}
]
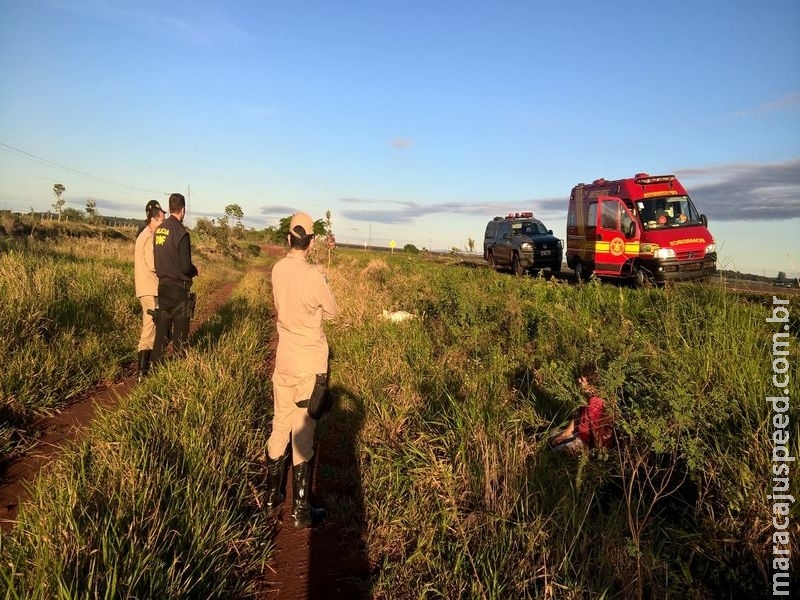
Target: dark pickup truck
[{"x": 521, "y": 243}]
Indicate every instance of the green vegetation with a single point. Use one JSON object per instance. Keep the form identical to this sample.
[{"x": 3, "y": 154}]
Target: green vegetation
[
  {"x": 463, "y": 499},
  {"x": 159, "y": 500},
  {"x": 450, "y": 414},
  {"x": 69, "y": 319}
]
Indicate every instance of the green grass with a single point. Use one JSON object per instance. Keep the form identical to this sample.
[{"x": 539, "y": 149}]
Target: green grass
[
  {"x": 450, "y": 477},
  {"x": 457, "y": 405},
  {"x": 160, "y": 500},
  {"x": 69, "y": 321}
]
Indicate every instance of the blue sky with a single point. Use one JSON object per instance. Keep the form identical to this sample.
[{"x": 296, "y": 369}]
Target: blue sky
[{"x": 413, "y": 121}]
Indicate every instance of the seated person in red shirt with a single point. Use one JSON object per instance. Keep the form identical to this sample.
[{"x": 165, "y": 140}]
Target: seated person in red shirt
[{"x": 591, "y": 428}]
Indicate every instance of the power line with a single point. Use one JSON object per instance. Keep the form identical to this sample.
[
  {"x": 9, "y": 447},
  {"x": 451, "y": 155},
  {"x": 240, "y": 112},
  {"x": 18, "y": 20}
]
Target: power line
[{"x": 45, "y": 161}]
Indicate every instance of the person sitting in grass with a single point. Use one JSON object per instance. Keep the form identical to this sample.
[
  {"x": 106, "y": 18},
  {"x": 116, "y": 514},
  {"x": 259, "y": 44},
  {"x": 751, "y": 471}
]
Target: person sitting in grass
[{"x": 591, "y": 428}]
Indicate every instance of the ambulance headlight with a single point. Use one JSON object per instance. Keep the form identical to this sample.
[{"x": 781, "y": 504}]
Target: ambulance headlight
[
  {"x": 711, "y": 248},
  {"x": 526, "y": 246},
  {"x": 665, "y": 253}
]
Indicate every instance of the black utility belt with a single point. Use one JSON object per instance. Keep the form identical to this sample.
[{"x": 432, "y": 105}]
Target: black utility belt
[{"x": 179, "y": 284}]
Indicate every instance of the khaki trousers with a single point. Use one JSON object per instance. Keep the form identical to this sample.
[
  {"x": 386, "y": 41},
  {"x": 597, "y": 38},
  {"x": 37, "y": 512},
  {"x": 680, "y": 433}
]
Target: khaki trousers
[
  {"x": 148, "y": 334},
  {"x": 291, "y": 422}
]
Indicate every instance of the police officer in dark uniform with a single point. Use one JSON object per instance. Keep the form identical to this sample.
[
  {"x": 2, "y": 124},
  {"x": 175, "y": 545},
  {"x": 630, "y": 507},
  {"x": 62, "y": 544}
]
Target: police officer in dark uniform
[{"x": 173, "y": 261}]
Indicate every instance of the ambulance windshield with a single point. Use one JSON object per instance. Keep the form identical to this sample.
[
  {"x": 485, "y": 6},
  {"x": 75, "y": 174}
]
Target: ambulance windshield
[{"x": 667, "y": 211}]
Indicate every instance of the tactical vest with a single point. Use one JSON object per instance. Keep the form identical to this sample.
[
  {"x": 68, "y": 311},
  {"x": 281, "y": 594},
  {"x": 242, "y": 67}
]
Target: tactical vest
[{"x": 165, "y": 251}]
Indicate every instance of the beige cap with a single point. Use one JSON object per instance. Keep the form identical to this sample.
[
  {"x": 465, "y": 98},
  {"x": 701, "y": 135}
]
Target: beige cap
[{"x": 304, "y": 221}]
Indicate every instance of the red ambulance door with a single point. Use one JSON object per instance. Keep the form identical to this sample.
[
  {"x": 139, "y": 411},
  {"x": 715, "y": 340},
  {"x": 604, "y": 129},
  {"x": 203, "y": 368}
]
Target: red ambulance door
[{"x": 614, "y": 238}]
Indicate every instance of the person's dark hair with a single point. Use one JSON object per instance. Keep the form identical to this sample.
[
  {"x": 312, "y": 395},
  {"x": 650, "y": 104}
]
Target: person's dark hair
[
  {"x": 302, "y": 242},
  {"x": 176, "y": 203},
  {"x": 153, "y": 213}
]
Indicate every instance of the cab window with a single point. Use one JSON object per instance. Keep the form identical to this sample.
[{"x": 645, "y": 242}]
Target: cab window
[{"x": 610, "y": 215}]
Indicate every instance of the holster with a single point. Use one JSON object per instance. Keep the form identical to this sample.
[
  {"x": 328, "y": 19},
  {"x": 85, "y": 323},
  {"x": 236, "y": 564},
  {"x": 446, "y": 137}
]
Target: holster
[
  {"x": 320, "y": 401},
  {"x": 153, "y": 312},
  {"x": 191, "y": 303}
]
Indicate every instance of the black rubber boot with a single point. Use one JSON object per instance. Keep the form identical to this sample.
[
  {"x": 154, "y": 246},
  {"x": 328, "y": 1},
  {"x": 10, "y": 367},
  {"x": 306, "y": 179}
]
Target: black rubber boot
[
  {"x": 304, "y": 514},
  {"x": 144, "y": 364},
  {"x": 276, "y": 469}
]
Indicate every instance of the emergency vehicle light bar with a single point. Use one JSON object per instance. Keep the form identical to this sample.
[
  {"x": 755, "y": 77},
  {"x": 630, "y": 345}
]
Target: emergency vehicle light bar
[
  {"x": 522, "y": 215},
  {"x": 645, "y": 179}
]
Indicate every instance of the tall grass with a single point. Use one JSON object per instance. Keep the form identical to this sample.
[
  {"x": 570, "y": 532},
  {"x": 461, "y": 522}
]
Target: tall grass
[
  {"x": 69, "y": 320},
  {"x": 462, "y": 497},
  {"x": 451, "y": 413},
  {"x": 160, "y": 499}
]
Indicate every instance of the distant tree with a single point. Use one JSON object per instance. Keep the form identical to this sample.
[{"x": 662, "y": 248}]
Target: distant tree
[
  {"x": 471, "y": 245},
  {"x": 203, "y": 228},
  {"x": 222, "y": 233},
  {"x": 272, "y": 234},
  {"x": 72, "y": 214},
  {"x": 58, "y": 190},
  {"x": 234, "y": 211},
  {"x": 410, "y": 248},
  {"x": 330, "y": 240},
  {"x": 91, "y": 210}
]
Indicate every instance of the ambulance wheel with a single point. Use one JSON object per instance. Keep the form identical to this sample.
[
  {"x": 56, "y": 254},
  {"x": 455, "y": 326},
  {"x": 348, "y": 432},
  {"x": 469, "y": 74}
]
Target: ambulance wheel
[
  {"x": 581, "y": 272},
  {"x": 643, "y": 277},
  {"x": 516, "y": 268}
]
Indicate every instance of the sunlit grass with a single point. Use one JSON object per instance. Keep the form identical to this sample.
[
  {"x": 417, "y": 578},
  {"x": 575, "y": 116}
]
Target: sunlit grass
[
  {"x": 449, "y": 415},
  {"x": 69, "y": 320},
  {"x": 462, "y": 498},
  {"x": 161, "y": 498}
]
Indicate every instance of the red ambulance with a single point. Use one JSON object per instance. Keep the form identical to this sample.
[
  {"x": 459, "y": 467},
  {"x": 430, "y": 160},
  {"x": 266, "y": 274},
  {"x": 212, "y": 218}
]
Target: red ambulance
[{"x": 644, "y": 227}]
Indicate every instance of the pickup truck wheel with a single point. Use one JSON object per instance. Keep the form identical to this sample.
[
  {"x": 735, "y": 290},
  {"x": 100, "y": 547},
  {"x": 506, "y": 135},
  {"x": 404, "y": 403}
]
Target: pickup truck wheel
[{"x": 516, "y": 268}]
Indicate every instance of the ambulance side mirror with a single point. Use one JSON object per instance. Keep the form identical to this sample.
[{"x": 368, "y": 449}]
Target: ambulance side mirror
[
  {"x": 704, "y": 220},
  {"x": 631, "y": 233}
]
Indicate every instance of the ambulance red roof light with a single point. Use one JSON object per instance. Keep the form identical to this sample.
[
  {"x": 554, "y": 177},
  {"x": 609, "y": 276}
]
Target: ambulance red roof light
[
  {"x": 600, "y": 181},
  {"x": 641, "y": 175},
  {"x": 646, "y": 179}
]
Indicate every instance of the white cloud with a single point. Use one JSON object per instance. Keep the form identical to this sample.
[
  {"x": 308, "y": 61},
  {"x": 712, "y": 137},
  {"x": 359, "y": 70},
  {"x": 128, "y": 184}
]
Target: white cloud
[
  {"x": 787, "y": 102},
  {"x": 197, "y": 24}
]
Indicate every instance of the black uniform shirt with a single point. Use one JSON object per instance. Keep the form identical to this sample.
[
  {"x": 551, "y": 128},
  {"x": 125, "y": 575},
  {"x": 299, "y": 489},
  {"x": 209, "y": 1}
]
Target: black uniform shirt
[{"x": 173, "y": 252}]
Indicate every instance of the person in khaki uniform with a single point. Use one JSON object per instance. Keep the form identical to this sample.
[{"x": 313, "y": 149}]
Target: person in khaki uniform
[
  {"x": 146, "y": 284},
  {"x": 302, "y": 301}
]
